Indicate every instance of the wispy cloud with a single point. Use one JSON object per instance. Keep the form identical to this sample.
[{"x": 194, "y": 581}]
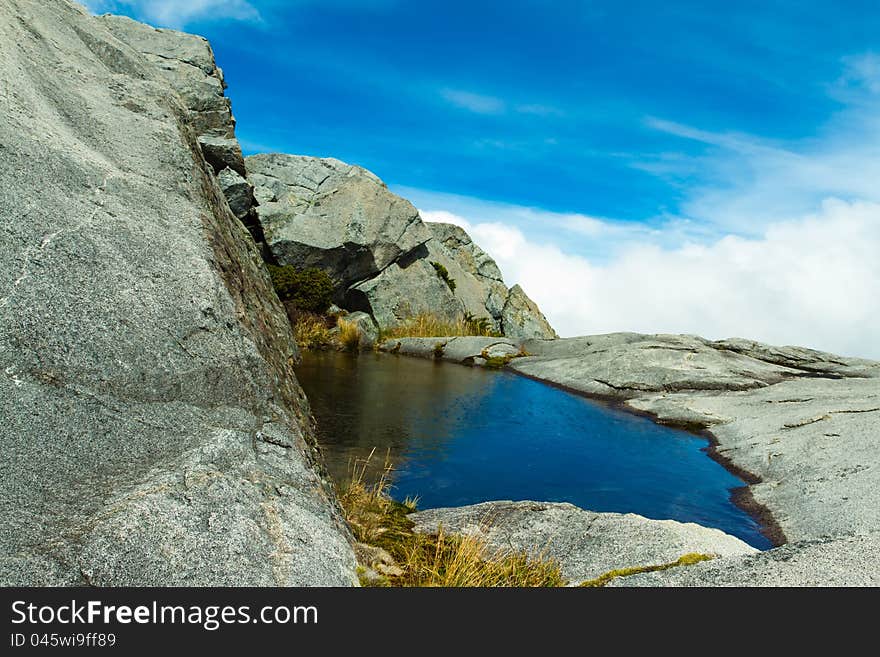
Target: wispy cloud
[
  {"x": 539, "y": 109},
  {"x": 177, "y": 14},
  {"x": 742, "y": 183},
  {"x": 487, "y": 104},
  {"x": 862, "y": 71},
  {"x": 478, "y": 103}
]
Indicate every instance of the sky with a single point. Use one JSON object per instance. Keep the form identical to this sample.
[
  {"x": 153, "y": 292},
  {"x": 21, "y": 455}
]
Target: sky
[{"x": 661, "y": 167}]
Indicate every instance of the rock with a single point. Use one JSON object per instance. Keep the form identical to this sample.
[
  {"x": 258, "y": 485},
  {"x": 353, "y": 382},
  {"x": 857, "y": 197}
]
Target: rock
[
  {"x": 626, "y": 365},
  {"x": 186, "y": 63},
  {"x": 846, "y": 561},
  {"x": 585, "y": 544},
  {"x": 798, "y": 424},
  {"x": 327, "y": 214},
  {"x": 152, "y": 431},
  {"x": 466, "y": 350},
  {"x": 472, "y": 259},
  {"x": 402, "y": 290},
  {"x": 366, "y": 327},
  {"x": 222, "y": 152},
  {"x": 521, "y": 318},
  {"x": 383, "y": 259},
  {"x": 238, "y": 192}
]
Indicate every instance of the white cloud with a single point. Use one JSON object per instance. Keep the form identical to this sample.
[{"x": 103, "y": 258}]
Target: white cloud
[
  {"x": 177, "y": 14},
  {"x": 485, "y": 104},
  {"x": 814, "y": 281},
  {"x": 862, "y": 71},
  {"x": 477, "y": 103}
]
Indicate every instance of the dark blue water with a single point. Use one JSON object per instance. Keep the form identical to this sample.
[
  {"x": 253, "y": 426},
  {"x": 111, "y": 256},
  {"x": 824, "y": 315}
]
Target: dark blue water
[{"x": 459, "y": 435}]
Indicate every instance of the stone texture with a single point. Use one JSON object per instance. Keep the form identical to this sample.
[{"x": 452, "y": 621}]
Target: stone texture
[
  {"x": 846, "y": 561},
  {"x": 367, "y": 328},
  {"x": 584, "y": 543},
  {"x": 152, "y": 431},
  {"x": 238, "y": 192},
  {"x": 343, "y": 219},
  {"x": 324, "y": 213},
  {"x": 472, "y": 259},
  {"x": 521, "y": 318},
  {"x": 186, "y": 62}
]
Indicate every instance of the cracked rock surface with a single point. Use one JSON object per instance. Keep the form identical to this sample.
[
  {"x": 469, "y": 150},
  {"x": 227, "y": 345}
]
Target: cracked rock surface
[
  {"x": 152, "y": 431},
  {"x": 383, "y": 259}
]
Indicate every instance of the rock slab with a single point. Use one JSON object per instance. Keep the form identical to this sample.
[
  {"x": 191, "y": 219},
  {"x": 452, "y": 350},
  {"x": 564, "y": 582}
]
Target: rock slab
[
  {"x": 584, "y": 544},
  {"x": 152, "y": 432}
]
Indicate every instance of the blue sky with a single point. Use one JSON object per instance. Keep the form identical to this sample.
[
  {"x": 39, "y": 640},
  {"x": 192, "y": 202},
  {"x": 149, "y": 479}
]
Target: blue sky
[{"x": 704, "y": 167}]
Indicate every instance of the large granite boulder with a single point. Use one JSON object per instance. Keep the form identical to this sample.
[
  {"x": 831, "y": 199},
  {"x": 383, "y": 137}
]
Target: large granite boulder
[
  {"x": 383, "y": 259},
  {"x": 152, "y": 431},
  {"x": 325, "y": 213}
]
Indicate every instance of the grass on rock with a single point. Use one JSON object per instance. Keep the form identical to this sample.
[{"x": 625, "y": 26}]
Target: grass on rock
[
  {"x": 439, "y": 559},
  {"x": 430, "y": 325},
  {"x": 311, "y": 330},
  {"x": 349, "y": 334}
]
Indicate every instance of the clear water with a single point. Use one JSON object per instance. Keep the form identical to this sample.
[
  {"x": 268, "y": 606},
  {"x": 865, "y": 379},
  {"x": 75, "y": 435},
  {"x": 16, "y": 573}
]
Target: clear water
[{"x": 459, "y": 435}]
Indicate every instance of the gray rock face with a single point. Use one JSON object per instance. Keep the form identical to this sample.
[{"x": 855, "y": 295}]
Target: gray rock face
[
  {"x": 343, "y": 219},
  {"x": 324, "y": 213},
  {"x": 186, "y": 63},
  {"x": 152, "y": 431},
  {"x": 803, "y": 423},
  {"x": 520, "y": 317},
  {"x": 846, "y": 561},
  {"x": 238, "y": 192},
  {"x": 367, "y": 328},
  {"x": 472, "y": 259},
  {"x": 585, "y": 544}
]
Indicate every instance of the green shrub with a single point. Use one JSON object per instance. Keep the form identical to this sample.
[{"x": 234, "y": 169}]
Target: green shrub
[
  {"x": 308, "y": 289},
  {"x": 443, "y": 273}
]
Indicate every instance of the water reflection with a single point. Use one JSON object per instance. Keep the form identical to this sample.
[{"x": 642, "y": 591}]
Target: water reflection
[{"x": 459, "y": 435}]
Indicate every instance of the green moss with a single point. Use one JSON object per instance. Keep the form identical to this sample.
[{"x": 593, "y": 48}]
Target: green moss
[
  {"x": 497, "y": 362},
  {"x": 443, "y": 273},
  {"x": 438, "y": 350},
  {"x": 688, "y": 559},
  {"x": 308, "y": 289}
]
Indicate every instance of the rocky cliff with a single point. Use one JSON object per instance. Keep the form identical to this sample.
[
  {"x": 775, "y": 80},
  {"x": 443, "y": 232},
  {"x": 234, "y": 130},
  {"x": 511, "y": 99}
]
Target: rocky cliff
[
  {"x": 383, "y": 259},
  {"x": 313, "y": 212},
  {"x": 152, "y": 431}
]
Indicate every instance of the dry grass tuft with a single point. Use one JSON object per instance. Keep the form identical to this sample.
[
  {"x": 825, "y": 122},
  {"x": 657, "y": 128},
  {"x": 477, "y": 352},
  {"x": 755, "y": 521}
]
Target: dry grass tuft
[
  {"x": 311, "y": 331},
  {"x": 432, "y": 560},
  {"x": 429, "y": 325},
  {"x": 349, "y": 334}
]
